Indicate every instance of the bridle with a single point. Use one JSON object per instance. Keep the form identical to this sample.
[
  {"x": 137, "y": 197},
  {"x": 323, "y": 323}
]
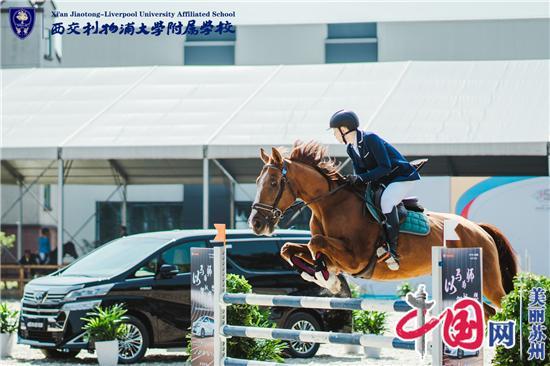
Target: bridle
[{"x": 272, "y": 213}]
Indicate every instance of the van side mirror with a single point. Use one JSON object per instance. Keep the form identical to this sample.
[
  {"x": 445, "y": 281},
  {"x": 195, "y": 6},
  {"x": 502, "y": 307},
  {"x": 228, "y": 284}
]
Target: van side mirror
[{"x": 168, "y": 271}]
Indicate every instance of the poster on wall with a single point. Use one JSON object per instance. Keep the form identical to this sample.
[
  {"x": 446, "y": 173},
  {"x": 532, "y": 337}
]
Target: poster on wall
[{"x": 202, "y": 307}]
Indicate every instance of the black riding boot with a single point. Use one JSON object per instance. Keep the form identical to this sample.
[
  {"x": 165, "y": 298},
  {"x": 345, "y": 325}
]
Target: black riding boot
[{"x": 391, "y": 229}]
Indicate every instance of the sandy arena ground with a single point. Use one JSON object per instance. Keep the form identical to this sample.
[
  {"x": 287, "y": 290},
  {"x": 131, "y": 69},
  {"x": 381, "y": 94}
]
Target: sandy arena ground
[{"x": 330, "y": 355}]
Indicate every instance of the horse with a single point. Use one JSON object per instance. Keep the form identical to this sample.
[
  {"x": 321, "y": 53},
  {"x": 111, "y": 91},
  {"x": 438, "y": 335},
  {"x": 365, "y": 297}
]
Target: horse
[{"x": 344, "y": 238}]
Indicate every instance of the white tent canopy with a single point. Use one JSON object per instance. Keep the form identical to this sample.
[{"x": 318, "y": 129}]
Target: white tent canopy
[{"x": 155, "y": 123}]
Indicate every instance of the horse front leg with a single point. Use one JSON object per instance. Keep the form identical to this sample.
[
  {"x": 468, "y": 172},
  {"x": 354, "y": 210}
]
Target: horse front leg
[
  {"x": 333, "y": 256},
  {"x": 299, "y": 257}
]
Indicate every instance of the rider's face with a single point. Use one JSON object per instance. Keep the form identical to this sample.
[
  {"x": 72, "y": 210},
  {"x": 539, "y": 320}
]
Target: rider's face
[{"x": 338, "y": 135}]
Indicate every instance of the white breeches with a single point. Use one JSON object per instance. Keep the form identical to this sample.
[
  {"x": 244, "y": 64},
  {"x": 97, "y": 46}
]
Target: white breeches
[{"x": 394, "y": 193}]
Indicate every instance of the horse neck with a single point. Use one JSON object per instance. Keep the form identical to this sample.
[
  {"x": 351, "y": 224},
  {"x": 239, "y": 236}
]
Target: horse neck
[
  {"x": 310, "y": 184},
  {"x": 307, "y": 182}
]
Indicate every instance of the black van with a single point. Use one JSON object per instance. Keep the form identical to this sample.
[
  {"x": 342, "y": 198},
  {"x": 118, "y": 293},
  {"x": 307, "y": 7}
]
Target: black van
[{"x": 127, "y": 270}]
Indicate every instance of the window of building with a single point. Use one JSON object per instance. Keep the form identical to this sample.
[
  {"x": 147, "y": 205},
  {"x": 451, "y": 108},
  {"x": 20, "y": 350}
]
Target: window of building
[
  {"x": 47, "y": 197},
  {"x": 353, "y": 42},
  {"x": 211, "y": 49},
  {"x": 141, "y": 217}
]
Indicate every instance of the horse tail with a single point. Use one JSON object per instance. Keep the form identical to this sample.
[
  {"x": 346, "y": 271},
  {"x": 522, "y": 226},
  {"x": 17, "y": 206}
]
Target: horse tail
[{"x": 506, "y": 256}]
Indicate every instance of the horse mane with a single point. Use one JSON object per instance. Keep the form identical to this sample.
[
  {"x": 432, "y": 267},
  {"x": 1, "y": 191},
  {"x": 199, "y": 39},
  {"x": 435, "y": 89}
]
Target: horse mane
[{"x": 314, "y": 154}]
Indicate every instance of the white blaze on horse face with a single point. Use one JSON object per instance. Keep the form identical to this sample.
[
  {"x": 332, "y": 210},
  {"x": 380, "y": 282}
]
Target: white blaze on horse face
[{"x": 257, "y": 199}]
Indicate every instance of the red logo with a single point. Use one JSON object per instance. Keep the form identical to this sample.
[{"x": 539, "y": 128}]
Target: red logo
[{"x": 463, "y": 325}]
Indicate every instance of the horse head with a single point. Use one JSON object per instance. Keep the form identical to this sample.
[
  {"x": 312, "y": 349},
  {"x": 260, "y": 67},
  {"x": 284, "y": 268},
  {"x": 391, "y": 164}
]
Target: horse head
[
  {"x": 274, "y": 193},
  {"x": 308, "y": 174}
]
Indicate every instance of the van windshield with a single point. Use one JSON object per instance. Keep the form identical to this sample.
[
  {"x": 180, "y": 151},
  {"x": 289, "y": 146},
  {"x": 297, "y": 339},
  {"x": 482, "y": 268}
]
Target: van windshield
[{"x": 114, "y": 257}]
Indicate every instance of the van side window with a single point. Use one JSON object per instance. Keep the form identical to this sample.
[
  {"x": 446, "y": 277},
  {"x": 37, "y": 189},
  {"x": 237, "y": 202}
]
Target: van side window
[
  {"x": 149, "y": 269},
  {"x": 257, "y": 255},
  {"x": 179, "y": 255}
]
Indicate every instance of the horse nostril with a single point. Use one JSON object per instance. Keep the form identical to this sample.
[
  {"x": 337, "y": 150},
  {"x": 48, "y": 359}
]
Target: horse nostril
[{"x": 257, "y": 224}]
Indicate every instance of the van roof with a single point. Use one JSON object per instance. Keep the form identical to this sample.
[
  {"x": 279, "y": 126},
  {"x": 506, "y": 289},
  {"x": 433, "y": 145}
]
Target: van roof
[{"x": 182, "y": 234}]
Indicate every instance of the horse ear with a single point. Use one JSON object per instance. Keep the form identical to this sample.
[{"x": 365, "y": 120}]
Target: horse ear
[
  {"x": 276, "y": 155},
  {"x": 264, "y": 156}
]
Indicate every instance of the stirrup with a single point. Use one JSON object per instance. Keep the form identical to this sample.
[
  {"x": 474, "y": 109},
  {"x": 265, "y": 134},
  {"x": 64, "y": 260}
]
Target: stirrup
[{"x": 387, "y": 257}]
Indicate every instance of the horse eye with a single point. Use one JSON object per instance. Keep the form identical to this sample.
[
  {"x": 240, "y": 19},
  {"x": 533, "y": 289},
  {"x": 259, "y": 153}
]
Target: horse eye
[{"x": 273, "y": 183}]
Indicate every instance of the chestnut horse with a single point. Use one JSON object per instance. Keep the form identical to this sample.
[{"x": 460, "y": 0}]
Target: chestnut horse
[{"x": 346, "y": 238}]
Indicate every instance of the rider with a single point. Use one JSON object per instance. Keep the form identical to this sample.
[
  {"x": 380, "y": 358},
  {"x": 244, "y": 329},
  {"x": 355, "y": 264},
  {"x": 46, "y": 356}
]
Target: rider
[{"x": 376, "y": 160}]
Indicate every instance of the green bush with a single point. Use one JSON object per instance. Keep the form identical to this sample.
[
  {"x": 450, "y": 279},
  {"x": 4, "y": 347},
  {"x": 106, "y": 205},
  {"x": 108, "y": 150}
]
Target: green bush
[
  {"x": 510, "y": 311},
  {"x": 105, "y": 324},
  {"x": 370, "y": 322},
  {"x": 6, "y": 241},
  {"x": 403, "y": 289},
  {"x": 8, "y": 319},
  {"x": 252, "y": 316}
]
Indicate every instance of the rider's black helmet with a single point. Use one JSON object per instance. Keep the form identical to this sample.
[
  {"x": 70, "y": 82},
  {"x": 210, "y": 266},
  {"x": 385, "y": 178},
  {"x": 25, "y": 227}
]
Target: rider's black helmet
[{"x": 344, "y": 118}]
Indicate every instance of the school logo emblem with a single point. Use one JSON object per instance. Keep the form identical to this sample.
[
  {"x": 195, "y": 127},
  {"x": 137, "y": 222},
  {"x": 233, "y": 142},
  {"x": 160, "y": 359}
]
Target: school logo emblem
[{"x": 22, "y": 21}]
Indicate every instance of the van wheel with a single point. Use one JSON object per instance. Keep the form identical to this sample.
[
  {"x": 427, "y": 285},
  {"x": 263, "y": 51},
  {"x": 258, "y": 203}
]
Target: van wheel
[
  {"x": 57, "y": 354},
  {"x": 302, "y": 321},
  {"x": 132, "y": 347}
]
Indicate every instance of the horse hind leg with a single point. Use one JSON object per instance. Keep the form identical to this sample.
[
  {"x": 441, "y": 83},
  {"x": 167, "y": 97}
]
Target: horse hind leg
[
  {"x": 493, "y": 290},
  {"x": 489, "y": 311}
]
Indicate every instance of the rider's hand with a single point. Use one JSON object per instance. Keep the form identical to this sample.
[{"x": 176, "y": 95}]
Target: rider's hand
[{"x": 353, "y": 179}]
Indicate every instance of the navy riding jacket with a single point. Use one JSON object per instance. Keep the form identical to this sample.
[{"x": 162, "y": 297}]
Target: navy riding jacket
[{"x": 379, "y": 161}]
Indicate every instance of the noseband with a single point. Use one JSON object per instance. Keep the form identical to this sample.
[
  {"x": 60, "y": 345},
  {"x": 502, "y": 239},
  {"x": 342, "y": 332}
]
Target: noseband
[{"x": 271, "y": 212}]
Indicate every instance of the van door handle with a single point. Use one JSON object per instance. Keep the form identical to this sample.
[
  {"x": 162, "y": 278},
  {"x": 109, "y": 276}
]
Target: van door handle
[{"x": 146, "y": 288}]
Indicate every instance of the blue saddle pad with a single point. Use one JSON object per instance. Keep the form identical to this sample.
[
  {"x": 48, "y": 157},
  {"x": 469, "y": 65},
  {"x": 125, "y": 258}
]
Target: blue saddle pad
[{"x": 415, "y": 223}]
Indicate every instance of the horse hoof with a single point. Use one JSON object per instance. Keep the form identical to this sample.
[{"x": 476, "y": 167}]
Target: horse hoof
[
  {"x": 333, "y": 283},
  {"x": 306, "y": 276}
]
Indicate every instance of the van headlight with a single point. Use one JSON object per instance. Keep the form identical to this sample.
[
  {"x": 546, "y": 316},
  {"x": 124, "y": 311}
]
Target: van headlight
[
  {"x": 80, "y": 305},
  {"x": 89, "y": 292}
]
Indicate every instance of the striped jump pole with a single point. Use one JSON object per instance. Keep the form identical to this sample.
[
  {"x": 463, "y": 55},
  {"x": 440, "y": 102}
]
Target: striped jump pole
[
  {"x": 357, "y": 339},
  {"x": 310, "y": 302}
]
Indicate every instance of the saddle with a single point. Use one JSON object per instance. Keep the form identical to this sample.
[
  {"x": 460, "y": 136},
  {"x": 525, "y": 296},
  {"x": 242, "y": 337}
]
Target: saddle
[{"x": 412, "y": 219}]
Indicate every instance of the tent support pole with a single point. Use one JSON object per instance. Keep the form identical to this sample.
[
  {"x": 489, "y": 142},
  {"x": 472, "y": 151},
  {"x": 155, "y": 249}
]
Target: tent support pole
[
  {"x": 124, "y": 204},
  {"x": 232, "y": 205},
  {"x": 20, "y": 223},
  {"x": 205, "y": 182},
  {"x": 60, "y": 198}
]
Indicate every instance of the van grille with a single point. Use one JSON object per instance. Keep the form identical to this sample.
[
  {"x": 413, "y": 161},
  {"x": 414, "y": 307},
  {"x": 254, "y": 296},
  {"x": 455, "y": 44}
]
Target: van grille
[
  {"x": 41, "y": 304},
  {"x": 42, "y": 297}
]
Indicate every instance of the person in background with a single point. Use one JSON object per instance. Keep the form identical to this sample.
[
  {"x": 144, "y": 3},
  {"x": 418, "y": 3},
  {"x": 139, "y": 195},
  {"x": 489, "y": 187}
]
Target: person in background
[
  {"x": 44, "y": 246},
  {"x": 123, "y": 231},
  {"x": 28, "y": 258}
]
